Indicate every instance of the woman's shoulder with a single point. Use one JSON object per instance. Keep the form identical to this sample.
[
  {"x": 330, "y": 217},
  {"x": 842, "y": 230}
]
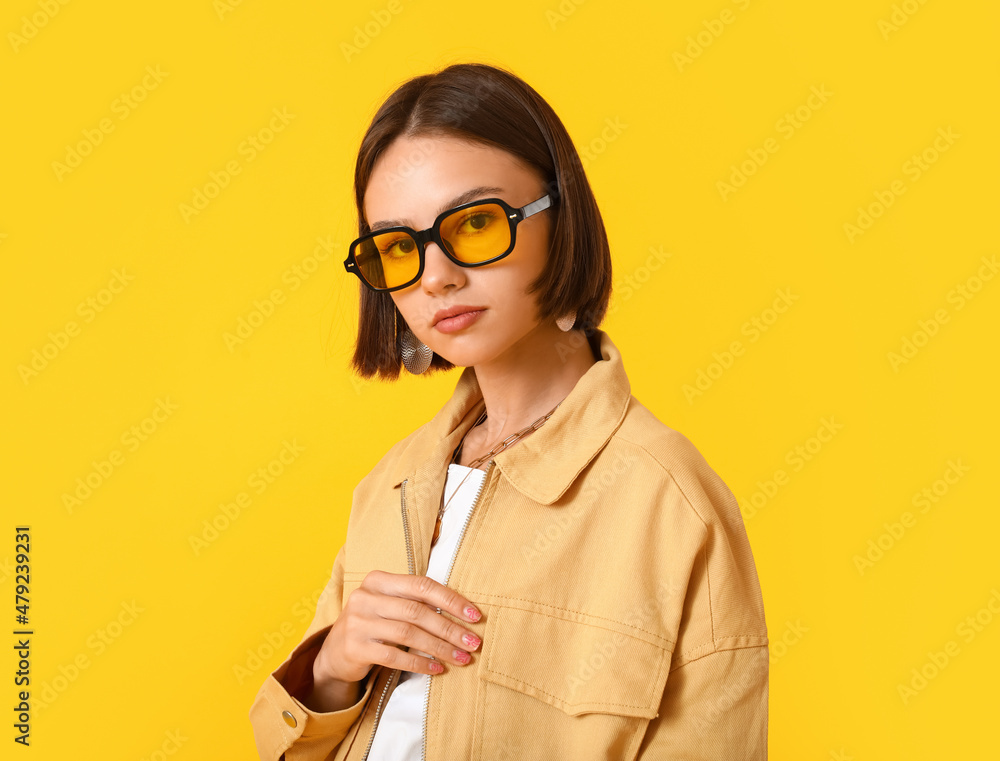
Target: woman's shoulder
[
  {"x": 670, "y": 452},
  {"x": 667, "y": 445}
]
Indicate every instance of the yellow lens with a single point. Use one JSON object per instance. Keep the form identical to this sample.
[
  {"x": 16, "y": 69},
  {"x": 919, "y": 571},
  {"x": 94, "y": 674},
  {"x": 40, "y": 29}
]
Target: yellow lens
[
  {"x": 388, "y": 259},
  {"x": 476, "y": 234}
]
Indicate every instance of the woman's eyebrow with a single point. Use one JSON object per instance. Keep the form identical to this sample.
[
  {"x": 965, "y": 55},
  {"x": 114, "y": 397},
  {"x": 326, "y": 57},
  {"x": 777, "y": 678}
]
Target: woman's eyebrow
[{"x": 469, "y": 195}]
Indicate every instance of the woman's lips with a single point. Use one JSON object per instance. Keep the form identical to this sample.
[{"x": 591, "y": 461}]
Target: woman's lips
[{"x": 458, "y": 322}]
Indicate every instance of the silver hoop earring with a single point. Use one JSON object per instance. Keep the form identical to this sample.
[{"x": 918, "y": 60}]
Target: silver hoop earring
[
  {"x": 566, "y": 322},
  {"x": 416, "y": 354}
]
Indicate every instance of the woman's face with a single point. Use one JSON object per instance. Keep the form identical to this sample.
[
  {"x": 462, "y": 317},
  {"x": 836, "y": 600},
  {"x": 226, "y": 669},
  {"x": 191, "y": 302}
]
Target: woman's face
[{"x": 414, "y": 181}]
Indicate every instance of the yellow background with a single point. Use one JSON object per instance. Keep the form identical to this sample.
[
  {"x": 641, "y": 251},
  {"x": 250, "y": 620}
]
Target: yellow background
[{"x": 843, "y": 640}]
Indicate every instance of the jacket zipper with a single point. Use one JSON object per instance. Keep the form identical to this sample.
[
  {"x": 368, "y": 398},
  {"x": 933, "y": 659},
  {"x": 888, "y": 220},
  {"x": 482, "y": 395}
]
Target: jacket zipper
[
  {"x": 461, "y": 536},
  {"x": 410, "y": 567}
]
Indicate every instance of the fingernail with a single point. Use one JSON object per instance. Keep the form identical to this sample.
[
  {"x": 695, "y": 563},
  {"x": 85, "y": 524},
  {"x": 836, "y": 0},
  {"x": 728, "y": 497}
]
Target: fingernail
[
  {"x": 461, "y": 656},
  {"x": 471, "y": 640},
  {"x": 436, "y": 668},
  {"x": 472, "y": 614}
]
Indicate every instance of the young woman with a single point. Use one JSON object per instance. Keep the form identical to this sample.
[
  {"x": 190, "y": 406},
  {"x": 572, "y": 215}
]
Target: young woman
[{"x": 544, "y": 570}]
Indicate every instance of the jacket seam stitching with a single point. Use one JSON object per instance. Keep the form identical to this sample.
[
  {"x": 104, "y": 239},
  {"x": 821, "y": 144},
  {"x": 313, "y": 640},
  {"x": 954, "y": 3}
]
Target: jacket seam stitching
[
  {"x": 283, "y": 730},
  {"x": 715, "y": 644},
  {"x": 563, "y": 701},
  {"x": 589, "y": 615},
  {"x": 708, "y": 583},
  {"x": 667, "y": 470},
  {"x": 715, "y": 650},
  {"x": 660, "y": 678},
  {"x": 704, "y": 548}
]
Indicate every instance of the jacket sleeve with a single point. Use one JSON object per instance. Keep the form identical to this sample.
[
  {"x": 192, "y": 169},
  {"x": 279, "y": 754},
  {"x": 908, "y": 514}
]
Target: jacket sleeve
[
  {"x": 714, "y": 703},
  {"x": 714, "y": 708},
  {"x": 283, "y": 727}
]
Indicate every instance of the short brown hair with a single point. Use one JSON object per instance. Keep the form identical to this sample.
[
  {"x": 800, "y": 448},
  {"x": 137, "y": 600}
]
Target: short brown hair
[{"x": 484, "y": 104}]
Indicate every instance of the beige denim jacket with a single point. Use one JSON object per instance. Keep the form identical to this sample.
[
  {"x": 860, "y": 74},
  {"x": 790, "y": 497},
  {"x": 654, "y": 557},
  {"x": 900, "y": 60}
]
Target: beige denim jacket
[{"x": 622, "y": 613}]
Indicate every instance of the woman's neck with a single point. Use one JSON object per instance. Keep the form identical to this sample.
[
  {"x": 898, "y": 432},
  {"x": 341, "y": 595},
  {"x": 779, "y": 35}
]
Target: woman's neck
[{"x": 520, "y": 389}]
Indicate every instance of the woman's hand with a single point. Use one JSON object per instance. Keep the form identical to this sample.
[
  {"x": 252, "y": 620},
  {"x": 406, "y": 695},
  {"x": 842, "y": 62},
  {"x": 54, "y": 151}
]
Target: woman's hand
[{"x": 395, "y": 609}]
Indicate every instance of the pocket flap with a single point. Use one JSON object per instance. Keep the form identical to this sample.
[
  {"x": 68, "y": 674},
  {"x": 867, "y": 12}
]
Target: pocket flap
[{"x": 575, "y": 666}]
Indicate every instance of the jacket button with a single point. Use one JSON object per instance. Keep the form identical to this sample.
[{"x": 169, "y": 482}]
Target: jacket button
[{"x": 289, "y": 719}]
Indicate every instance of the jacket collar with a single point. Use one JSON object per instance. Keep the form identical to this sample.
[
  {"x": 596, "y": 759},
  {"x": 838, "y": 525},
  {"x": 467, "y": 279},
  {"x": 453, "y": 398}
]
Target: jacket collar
[{"x": 543, "y": 464}]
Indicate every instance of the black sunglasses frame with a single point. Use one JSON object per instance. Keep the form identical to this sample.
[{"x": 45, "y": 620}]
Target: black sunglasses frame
[{"x": 433, "y": 233}]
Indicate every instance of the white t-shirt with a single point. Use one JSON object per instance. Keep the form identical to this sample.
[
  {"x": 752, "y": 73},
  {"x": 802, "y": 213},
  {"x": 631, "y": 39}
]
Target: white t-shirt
[{"x": 400, "y": 731}]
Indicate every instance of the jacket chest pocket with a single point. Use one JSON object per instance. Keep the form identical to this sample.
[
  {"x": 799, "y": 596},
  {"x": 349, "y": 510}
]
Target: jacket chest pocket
[{"x": 557, "y": 688}]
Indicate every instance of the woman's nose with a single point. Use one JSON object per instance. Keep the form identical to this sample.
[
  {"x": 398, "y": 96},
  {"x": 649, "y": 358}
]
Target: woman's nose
[{"x": 439, "y": 270}]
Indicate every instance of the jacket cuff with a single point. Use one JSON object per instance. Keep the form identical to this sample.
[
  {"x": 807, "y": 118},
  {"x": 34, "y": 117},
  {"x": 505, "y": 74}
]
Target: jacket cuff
[{"x": 280, "y": 720}]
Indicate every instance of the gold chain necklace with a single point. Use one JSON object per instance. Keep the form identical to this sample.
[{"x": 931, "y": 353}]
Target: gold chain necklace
[{"x": 486, "y": 458}]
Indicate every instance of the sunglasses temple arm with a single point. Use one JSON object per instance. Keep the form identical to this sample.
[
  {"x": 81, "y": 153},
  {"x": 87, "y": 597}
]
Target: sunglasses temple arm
[{"x": 536, "y": 206}]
